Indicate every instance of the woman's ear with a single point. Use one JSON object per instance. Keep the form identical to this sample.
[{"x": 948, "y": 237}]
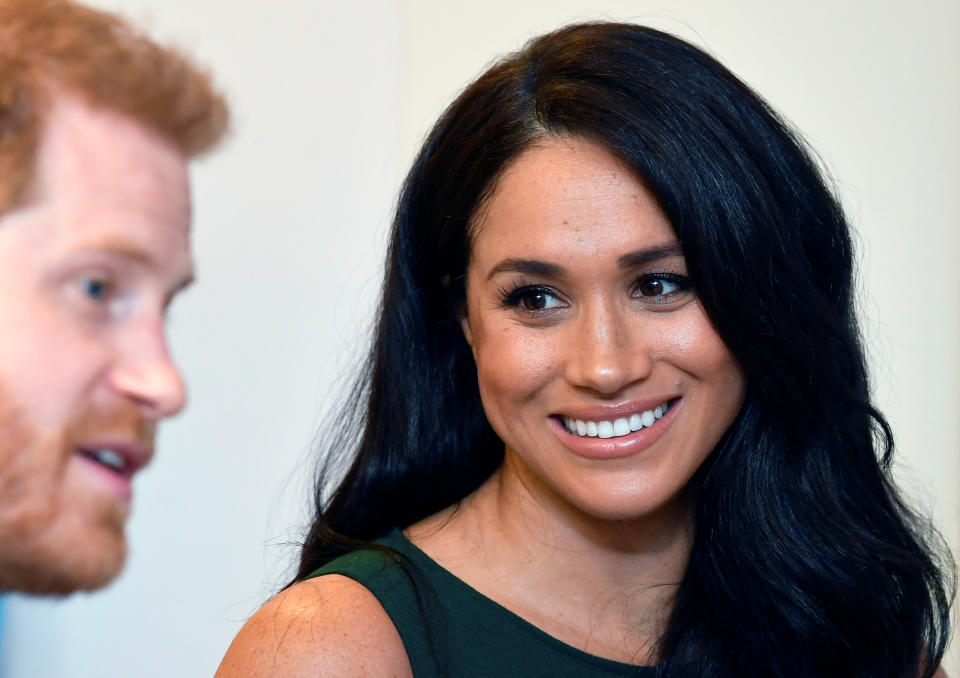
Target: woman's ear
[
  {"x": 465, "y": 323},
  {"x": 461, "y": 306}
]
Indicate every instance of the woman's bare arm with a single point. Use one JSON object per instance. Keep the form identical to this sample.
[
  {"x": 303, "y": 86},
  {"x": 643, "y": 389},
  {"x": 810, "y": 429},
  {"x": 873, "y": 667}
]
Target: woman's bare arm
[{"x": 328, "y": 626}]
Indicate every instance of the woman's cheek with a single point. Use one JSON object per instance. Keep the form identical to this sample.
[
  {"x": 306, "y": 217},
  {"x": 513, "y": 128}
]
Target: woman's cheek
[
  {"x": 513, "y": 365},
  {"x": 692, "y": 344}
]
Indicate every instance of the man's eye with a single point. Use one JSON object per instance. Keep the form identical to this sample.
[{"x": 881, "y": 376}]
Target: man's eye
[{"x": 97, "y": 289}]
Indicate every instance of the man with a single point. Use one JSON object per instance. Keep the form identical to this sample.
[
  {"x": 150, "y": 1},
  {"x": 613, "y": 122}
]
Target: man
[{"x": 97, "y": 124}]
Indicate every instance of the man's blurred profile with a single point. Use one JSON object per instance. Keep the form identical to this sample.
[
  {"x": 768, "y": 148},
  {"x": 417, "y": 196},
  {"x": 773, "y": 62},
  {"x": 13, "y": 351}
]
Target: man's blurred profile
[{"x": 97, "y": 124}]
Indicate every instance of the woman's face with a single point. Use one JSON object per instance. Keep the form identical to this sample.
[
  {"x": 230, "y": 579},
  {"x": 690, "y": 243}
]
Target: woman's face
[{"x": 597, "y": 365}]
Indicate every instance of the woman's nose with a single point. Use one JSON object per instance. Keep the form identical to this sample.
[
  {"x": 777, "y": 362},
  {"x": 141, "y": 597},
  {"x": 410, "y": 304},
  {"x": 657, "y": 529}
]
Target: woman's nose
[{"x": 606, "y": 352}]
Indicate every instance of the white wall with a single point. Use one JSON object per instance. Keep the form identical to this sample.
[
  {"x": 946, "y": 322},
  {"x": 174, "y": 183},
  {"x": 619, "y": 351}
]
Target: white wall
[{"x": 330, "y": 101}]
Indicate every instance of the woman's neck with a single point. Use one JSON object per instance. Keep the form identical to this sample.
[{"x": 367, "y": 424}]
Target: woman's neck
[{"x": 604, "y": 586}]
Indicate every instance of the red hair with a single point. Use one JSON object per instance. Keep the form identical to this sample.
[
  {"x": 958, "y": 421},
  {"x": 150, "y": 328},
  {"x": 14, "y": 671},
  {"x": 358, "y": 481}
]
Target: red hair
[{"x": 51, "y": 45}]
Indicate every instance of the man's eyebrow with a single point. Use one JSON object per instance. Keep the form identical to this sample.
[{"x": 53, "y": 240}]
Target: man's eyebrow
[
  {"x": 528, "y": 266},
  {"x": 647, "y": 256},
  {"x": 118, "y": 248}
]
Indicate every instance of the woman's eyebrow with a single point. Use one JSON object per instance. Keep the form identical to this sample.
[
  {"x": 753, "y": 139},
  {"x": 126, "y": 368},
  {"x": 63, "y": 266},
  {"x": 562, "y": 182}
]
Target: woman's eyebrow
[
  {"x": 629, "y": 260},
  {"x": 528, "y": 266},
  {"x": 646, "y": 256}
]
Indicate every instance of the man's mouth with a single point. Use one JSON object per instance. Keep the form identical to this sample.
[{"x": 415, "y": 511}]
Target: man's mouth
[
  {"x": 618, "y": 427},
  {"x": 115, "y": 460}
]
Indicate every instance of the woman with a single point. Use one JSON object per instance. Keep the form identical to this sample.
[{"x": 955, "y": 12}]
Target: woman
[{"x": 616, "y": 403}]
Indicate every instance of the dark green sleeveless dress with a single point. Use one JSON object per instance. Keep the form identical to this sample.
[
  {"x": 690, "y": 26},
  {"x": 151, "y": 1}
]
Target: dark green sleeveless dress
[{"x": 451, "y": 630}]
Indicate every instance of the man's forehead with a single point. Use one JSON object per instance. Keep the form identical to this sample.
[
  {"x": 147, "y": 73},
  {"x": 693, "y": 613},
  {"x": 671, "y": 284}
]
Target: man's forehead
[
  {"x": 104, "y": 184},
  {"x": 114, "y": 155}
]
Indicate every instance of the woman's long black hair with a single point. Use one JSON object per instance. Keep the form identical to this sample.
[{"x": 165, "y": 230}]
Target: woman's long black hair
[{"x": 805, "y": 561}]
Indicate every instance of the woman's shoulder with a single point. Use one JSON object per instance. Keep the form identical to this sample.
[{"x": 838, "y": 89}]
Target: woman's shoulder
[{"x": 330, "y": 625}]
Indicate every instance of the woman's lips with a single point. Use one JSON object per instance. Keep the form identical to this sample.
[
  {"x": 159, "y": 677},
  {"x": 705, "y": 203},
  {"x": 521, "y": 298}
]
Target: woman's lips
[
  {"x": 604, "y": 435},
  {"x": 616, "y": 426}
]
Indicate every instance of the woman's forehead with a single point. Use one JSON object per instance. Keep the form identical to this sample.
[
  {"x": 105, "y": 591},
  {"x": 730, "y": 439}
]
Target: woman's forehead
[{"x": 568, "y": 197}]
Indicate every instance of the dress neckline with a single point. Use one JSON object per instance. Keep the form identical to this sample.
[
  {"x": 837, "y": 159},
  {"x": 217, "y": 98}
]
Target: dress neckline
[{"x": 424, "y": 561}]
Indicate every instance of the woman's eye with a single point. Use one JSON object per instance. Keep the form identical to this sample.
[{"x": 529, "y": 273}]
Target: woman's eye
[
  {"x": 661, "y": 285},
  {"x": 531, "y": 299},
  {"x": 537, "y": 300}
]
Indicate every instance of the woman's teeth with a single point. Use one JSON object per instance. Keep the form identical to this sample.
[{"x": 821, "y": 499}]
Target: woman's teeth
[{"x": 617, "y": 427}]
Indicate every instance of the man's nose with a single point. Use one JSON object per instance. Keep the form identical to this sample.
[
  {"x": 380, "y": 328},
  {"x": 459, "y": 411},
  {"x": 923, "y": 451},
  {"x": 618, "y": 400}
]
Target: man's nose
[
  {"x": 145, "y": 373},
  {"x": 608, "y": 352}
]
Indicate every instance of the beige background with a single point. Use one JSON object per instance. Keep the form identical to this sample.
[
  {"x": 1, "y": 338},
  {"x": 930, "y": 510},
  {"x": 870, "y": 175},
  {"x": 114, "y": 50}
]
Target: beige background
[{"x": 331, "y": 101}]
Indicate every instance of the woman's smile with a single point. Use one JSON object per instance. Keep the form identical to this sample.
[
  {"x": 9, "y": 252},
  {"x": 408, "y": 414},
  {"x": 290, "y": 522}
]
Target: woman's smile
[
  {"x": 597, "y": 366},
  {"x": 615, "y": 422},
  {"x": 619, "y": 431}
]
